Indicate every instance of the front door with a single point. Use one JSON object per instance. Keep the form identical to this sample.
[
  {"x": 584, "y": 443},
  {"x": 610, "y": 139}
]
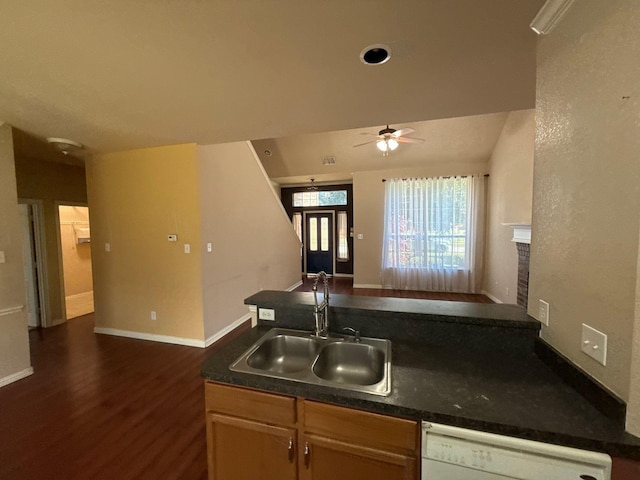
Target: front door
[{"x": 319, "y": 242}]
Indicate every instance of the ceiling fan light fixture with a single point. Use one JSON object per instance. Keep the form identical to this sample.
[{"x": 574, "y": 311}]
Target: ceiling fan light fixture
[{"x": 387, "y": 144}]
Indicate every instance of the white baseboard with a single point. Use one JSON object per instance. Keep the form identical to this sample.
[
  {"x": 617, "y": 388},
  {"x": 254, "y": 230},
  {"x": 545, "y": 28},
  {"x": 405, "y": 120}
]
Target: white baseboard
[
  {"x": 189, "y": 342},
  {"x": 495, "y": 299},
  {"x": 367, "y": 285},
  {"x": 294, "y": 286},
  {"x": 217, "y": 336},
  {"x": 16, "y": 376},
  {"x": 343, "y": 275}
]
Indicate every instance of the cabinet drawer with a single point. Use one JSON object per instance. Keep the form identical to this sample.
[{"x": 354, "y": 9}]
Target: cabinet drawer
[
  {"x": 251, "y": 404},
  {"x": 364, "y": 428}
]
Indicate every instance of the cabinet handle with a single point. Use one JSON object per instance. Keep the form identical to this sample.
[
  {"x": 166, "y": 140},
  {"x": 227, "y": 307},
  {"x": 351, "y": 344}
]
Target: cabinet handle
[
  {"x": 291, "y": 450},
  {"x": 307, "y": 454}
]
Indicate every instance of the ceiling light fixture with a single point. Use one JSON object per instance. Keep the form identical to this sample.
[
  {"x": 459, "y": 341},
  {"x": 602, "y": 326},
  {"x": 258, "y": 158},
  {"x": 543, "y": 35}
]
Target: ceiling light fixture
[
  {"x": 386, "y": 145},
  {"x": 65, "y": 145},
  {"x": 375, "y": 54},
  {"x": 313, "y": 185},
  {"x": 549, "y": 15}
]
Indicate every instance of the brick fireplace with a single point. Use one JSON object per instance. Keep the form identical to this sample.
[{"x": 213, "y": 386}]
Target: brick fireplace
[{"x": 522, "y": 239}]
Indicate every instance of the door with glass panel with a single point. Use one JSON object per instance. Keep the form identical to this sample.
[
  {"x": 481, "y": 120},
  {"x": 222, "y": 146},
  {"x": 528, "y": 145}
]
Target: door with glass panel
[{"x": 318, "y": 244}]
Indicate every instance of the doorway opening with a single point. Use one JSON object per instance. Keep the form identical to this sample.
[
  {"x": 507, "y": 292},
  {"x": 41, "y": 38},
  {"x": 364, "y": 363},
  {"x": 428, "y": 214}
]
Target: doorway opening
[
  {"x": 34, "y": 262},
  {"x": 75, "y": 250},
  {"x": 318, "y": 243}
]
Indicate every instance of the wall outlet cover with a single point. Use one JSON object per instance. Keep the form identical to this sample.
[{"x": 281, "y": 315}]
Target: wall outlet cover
[{"x": 266, "y": 314}]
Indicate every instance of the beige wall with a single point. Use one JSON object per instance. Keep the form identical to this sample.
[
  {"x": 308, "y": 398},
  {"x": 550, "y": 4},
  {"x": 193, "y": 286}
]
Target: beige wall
[
  {"x": 586, "y": 200},
  {"x": 137, "y": 198},
  {"x": 509, "y": 198},
  {"x": 50, "y": 182},
  {"x": 368, "y": 212},
  {"x": 14, "y": 340},
  {"x": 254, "y": 245},
  {"x": 76, "y": 257}
]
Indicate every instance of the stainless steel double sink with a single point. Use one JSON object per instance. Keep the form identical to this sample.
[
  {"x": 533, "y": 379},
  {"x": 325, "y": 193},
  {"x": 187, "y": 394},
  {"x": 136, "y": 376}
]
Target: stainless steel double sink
[{"x": 343, "y": 362}]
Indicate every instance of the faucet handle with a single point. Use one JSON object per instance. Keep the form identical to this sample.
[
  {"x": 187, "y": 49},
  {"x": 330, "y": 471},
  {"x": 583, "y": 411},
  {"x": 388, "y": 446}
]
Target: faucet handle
[{"x": 356, "y": 333}]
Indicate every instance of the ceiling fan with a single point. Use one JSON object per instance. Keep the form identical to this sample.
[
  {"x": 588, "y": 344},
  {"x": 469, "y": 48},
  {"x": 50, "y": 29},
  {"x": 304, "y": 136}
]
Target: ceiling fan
[{"x": 388, "y": 139}]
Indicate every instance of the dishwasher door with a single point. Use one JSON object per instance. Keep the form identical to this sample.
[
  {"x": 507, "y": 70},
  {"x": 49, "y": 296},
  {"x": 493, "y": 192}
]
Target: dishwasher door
[{"x": 451, "y": 453}]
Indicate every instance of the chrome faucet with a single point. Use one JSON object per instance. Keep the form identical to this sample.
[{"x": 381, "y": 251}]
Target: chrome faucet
[{"x": 321, "y": 311}]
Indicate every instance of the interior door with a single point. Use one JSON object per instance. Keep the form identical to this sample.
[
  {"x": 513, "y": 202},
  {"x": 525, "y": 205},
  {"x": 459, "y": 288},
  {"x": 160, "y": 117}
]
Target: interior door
[{"x": 319, "y": 242}]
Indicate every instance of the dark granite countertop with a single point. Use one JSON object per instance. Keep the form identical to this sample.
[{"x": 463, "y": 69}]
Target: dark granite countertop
[{"x": 469, "y": 384}]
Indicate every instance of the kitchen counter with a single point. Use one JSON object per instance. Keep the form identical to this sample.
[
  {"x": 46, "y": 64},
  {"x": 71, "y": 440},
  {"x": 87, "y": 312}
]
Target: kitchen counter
[{"x": 478, "y": 372}]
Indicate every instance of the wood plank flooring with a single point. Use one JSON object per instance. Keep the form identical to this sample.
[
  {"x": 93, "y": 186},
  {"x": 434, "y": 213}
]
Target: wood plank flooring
[{"x": 101, "y": 407}]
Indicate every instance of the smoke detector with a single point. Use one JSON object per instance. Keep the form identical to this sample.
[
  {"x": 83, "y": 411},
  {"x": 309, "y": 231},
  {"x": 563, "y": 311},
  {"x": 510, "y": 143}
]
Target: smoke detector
[{"x": 65, "y": 145}]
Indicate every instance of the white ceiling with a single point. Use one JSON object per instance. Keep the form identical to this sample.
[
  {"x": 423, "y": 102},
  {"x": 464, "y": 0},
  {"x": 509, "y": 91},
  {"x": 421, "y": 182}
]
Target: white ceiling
[
  {"x": 295, "y": 159},
  {"x": 126, "y": 74}
]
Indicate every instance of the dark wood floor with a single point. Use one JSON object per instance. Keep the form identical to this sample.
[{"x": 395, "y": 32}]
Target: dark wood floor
[
  {"x": 344, "y": 285},
  {"x": 101, "y": 407}
]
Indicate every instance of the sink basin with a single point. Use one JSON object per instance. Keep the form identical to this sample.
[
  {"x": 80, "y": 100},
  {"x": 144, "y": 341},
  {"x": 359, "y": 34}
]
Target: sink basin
[
  {"x": 284, "y": 354},
  {"x": 350, "y": 363},
  {"x": 338, "y": 361}
]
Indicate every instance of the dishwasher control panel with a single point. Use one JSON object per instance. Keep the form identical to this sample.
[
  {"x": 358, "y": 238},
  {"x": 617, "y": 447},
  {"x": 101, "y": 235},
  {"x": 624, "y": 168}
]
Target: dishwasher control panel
[{"x": 456, "y": 453}]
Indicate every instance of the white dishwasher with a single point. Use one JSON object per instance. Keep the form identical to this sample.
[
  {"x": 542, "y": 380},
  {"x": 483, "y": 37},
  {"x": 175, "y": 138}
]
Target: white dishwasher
[{"x": 451, "y": 453}]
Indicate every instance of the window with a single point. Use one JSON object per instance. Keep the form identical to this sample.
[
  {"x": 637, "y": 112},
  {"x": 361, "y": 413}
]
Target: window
[
  {"x": 297, "y": 224},
  {"x": 320, "y": 198},
  {"x": 429, "y": 235},
  {"x": 343, "y": 245},
  {"x": 313, "y": 234}
]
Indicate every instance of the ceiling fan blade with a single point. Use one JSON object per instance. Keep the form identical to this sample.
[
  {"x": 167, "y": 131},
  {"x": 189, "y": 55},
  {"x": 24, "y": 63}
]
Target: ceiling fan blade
[
  {"x": 410, "y": 140},
  {"x": 365, "y": 143},
  {"x": 368, "y": 133},
  {"x": 403, "y": 131}
]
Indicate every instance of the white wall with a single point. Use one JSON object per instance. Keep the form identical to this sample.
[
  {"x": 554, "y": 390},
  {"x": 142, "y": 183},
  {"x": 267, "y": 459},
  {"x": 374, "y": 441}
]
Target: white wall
[
  {"x": 14, "y": 340},
  {"x": 586, "y": 203},
  {"x": 509, "y": 197},
  {"x": 254, "y": 244}
]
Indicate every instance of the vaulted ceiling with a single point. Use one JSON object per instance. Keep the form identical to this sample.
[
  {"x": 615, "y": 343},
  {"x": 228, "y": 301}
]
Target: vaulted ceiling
[{"x": 126, "y": 74}]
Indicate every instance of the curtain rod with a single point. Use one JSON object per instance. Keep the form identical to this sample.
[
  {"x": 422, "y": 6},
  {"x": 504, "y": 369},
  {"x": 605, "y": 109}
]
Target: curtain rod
[{"x": 450, "y": 176}]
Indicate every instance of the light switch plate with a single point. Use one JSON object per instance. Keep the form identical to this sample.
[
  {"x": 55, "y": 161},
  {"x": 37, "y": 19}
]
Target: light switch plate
[
  {"x": 107, "y": 247},
  {"x": 172, "y": 237},
  {"x": 594, "y": 344},
  {"x": 2, "y": 259},
  {"x": 187, "y": 248},
  {"x": 266, "y": 314},
  {"x": 543, "y": 313}
]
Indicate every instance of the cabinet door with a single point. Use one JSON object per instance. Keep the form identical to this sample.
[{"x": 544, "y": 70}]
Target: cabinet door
[
  {"x": 327, "y": 459},
  {"x": 241, "y": 449}
]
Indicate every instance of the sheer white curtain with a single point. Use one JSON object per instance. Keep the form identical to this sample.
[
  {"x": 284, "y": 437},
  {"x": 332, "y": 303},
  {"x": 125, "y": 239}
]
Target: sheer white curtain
[{"x": 434, "y": 234}]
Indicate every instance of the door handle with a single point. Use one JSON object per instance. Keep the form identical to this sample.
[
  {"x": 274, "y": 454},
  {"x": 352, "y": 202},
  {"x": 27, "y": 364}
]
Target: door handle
[
  {"x": 291, "y": 450},
  {"x": 307, "y": 454}
]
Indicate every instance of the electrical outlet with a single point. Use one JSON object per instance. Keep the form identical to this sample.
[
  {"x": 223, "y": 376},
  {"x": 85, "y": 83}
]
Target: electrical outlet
[
  {"x": 543, "y": 313},
  {"x": 594, "y": 344},
  {"x": 153, "y": 315},
  {"x": 266, "y": 314}
]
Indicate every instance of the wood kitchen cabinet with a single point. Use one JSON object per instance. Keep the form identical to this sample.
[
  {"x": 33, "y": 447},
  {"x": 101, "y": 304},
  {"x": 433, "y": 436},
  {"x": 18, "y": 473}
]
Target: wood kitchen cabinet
[{"x": 258, "y": 435}]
